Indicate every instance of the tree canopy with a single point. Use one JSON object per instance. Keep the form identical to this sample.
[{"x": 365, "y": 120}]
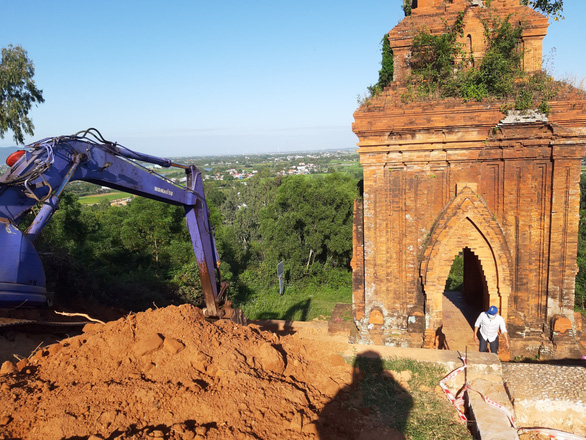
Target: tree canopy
[
  {"x": 18, "y": 92},
  {"x": 548, "y": 7},
  {"x": 309, "y": 224},
  {"x": 135, "y": 255}
]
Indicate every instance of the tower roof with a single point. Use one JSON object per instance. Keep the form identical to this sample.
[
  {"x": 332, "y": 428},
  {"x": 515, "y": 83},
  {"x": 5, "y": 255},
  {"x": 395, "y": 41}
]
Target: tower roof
[{"x": 436, "y": 16}]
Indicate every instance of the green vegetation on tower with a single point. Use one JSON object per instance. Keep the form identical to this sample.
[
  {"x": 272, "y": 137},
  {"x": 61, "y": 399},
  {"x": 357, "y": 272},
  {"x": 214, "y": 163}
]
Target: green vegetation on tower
[{"x": 441, "y": 67}]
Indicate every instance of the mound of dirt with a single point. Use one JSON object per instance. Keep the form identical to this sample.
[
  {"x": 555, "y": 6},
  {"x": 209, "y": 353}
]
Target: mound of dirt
[{"x": 169, "y": 373}]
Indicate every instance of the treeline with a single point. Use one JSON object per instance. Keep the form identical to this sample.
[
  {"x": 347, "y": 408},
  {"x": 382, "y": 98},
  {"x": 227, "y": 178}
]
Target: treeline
[{"x": 140, "y": 255}]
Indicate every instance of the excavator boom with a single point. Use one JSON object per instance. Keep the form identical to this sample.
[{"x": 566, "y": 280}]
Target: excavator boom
[{"x": 37, "y": 178}]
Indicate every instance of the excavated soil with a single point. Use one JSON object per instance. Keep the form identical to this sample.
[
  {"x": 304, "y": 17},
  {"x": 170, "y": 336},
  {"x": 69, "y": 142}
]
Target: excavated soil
[{"x": 169, "y": 373}]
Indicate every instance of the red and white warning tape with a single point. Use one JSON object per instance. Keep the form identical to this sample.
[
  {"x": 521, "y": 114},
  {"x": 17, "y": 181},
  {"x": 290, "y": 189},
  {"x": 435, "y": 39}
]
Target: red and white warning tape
[{"x": 458, "y": 402}]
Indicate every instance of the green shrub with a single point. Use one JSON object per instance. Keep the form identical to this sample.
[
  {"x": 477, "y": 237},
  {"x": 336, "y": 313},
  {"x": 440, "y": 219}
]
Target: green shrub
[
  {"x": 440, "y": 68},
  {"x": 385, "y": 74}
]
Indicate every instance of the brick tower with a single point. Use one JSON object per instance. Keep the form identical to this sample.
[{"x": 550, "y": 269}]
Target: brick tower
[{"x": 443, "y": 177}]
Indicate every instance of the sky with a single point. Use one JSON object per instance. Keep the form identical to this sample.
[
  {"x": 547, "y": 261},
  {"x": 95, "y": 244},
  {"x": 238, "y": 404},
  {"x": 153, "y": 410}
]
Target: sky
[{"x": 195, "y": 78}]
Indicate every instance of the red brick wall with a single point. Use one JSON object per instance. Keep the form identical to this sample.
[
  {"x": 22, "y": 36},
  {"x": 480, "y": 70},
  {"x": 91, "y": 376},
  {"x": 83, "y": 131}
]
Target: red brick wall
[
  {"x": 434, "y": 15},
  {"x": 441, "y": 176}
]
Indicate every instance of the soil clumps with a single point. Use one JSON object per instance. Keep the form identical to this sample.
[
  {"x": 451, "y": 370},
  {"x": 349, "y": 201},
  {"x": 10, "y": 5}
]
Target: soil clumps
[{"x": 169, "y": 373}]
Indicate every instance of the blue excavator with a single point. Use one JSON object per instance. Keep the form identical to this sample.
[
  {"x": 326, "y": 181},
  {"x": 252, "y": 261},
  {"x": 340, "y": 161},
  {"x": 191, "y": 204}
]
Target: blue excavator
[{"x": 35, "y": 182}]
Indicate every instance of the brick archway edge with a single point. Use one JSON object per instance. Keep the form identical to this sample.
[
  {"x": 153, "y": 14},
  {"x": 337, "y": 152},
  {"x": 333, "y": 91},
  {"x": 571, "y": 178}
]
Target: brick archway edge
[{"x": 465, "y": 222}]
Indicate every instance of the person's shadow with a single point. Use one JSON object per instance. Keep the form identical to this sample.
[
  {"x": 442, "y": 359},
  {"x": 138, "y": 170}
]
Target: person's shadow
[
  {"x": 374, "y": 406},
  {"x": 441, "y": 341}
]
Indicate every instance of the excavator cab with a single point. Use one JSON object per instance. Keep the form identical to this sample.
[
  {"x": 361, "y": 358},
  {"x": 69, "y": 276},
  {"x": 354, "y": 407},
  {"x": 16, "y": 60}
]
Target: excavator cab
[{"x": 22, "y": 277}]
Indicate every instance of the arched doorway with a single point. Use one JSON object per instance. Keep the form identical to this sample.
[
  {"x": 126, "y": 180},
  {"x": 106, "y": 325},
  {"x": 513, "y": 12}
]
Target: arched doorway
[
  {"x": 466, "y": 225},
  {"x": 465, "y": 296}
]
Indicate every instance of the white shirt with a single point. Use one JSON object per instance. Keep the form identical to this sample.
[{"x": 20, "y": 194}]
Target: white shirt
[{"x": 489, "y": 328}]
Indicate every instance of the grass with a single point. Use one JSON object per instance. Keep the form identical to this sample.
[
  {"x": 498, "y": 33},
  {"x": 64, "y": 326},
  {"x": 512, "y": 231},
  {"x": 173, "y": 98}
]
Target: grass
[
  {"x": 296, "y": 303},
  {"x": 97, "y": 198},
  {"x": 418, "y": 411}
]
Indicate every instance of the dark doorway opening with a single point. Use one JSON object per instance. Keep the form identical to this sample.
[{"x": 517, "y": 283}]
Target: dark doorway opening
[
  {"x": 475, "y": 287},
  {"x": 464, "y": 297}
]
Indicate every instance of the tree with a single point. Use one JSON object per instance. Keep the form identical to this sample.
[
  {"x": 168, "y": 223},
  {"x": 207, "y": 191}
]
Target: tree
[
  {"x": 18, "y": 92},
  {"x": 407, "y": 6},
  {"x": 309, "y": 225},
  {"x": 150, "y": 228},
  {"x": 548, "y": 7}
]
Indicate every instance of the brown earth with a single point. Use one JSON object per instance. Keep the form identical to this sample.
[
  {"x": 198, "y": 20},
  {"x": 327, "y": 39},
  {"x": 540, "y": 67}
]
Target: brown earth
[{"x": 169, "y": 373}]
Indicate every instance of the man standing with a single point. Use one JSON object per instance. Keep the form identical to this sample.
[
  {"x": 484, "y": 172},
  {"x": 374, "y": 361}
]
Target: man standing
[{"x": 489, "y": 323}]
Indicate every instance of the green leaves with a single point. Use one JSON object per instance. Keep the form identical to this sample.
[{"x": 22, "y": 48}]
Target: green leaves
[
  {"x": 128, "y": 256},
  {"x": 407, "y": 7},
  {"x": 18, "y": 92},
  {"x": 131, "y": 256},
  {"x": 441, "y": 67},
  {"x": 433, "y": 58},
  {"x": 385, "y": 74},
  {"x": 150, "y": 226},
  {"x": 502, "y": 62},
  {"x": 456, "y": 275},
  {"x": 548, "y": 7},
  {"x": 309, "y": 224}
]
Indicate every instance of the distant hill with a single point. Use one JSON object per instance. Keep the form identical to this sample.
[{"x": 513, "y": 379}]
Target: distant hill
[{"x": 5, "y": 152}]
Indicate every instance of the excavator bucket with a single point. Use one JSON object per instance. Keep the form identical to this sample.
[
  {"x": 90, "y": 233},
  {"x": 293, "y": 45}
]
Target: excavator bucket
[{"x": 22, "y": 277}]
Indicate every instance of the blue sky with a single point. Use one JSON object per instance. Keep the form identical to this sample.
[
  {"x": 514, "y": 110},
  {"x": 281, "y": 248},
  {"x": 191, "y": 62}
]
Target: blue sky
[{"x": 181, "y": 77}]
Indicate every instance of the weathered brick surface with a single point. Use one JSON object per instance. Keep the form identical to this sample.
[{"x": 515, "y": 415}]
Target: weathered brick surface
[
  {"x": 426, "y": 14},
  {"x": 561, "y": 324},
  {"x": 443, "y": 176},
  {"x": 357, "y": 262}
]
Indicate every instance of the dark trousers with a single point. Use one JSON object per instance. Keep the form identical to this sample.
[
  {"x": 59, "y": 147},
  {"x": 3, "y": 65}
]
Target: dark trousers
[{"x": 494, "y": 345}]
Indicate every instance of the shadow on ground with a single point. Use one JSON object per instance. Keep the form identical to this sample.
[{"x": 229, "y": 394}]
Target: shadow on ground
[{"x": 373, "y": 406}]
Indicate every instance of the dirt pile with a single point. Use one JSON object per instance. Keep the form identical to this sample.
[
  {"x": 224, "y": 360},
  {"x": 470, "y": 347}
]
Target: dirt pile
[{"x": 168, "y": 373}]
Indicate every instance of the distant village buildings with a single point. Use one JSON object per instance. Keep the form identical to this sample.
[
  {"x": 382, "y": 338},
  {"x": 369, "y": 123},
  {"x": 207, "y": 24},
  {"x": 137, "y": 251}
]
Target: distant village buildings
[
  {"x": 302, "y": 168},
  {"x": 229, "y": 168}
]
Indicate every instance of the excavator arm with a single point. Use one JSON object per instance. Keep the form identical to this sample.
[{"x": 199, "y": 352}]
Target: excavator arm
[{"x": 38, "y": 176}]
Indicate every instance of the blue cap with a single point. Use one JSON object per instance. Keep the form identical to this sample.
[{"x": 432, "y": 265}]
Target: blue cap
[{"x": 492, "y": 310}]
